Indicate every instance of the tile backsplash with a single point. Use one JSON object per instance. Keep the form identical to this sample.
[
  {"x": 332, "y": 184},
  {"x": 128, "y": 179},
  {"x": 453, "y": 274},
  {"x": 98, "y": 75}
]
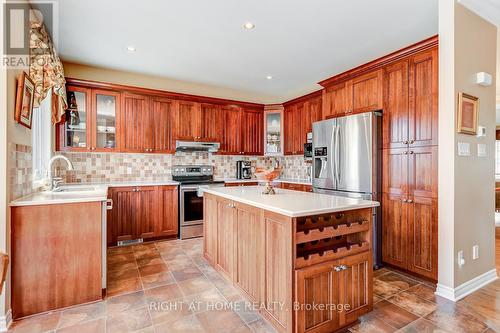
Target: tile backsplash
[
  {"x": 20, "y": 170},
  {"x": 117, "y": 167}
]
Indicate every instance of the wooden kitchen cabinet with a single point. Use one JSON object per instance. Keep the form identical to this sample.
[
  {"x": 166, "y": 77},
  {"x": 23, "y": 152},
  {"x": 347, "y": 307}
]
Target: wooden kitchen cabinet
[
  {"x": 311, "y": 114},
  {"x": 210, "y": 237},
  {"x": 147, "y": 211},
  {"x": 325, "y": 281},
  {"x": 137, "y": 121},
  {"x": 394, "y": 230},
  {"x": 409, "y": 206},
  {"x": 226, "y": 221},
  {"x": 367, "y": 92},
  {"x": 231, "y": 144},
  {"x": 293, "y": 130},
  {"x": 296, "y": 187},
  {"x": 410, "y": 105},
  {"x": 252, "y": 132},
  {"x": 167, "y": 223},
  {"x": 187, "y": 121},
  {"x": 395, "y": 115},
  {"x": 423, "y": 233},
  {"x": 56, "y": 256},
  {"x": 250, "y": 251},
  {"x": 94, "y": 124},
  {"x": 212, "y": 123},
  {"x": 351, "y": 285},
  {"x": 142, "y": 212},
  {"x": 363, "y": 93},
  {"x": 423, "y": 99},
  {"x": 337, "y": 100},
  {"x": 163, "y": 123},
  {"x": 122, "y": 219},
  {"x": 355, "y": 287}
]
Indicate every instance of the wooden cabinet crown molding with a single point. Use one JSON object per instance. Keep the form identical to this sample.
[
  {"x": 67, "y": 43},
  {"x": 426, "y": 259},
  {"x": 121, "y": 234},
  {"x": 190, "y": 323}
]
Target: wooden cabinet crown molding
[
  {"x": 160, "y": 93},
  {"x": 426, "y": 44}
]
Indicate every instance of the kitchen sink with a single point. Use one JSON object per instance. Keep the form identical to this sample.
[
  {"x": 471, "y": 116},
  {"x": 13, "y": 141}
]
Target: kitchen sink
[{"x": 73, "y": 189}]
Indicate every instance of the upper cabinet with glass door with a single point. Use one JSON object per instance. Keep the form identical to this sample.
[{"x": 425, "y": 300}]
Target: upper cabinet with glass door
[
  {"x": 76, "y": 130},
  {"x": 273, "y": 135},
  {"x": 105, "y": 112},
  {"x": 91, "y": 120}
]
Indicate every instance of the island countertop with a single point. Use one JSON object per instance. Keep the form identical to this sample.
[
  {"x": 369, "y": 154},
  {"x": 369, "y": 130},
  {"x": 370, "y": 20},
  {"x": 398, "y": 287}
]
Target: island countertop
[{"x": 290, "y": 203}]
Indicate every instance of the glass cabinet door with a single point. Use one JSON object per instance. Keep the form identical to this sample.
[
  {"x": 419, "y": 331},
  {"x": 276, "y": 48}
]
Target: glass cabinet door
[
  {"x": 273, "y": 123},
  {"x": 105, "y": 119},
  {"x": 76, "y": 128}
]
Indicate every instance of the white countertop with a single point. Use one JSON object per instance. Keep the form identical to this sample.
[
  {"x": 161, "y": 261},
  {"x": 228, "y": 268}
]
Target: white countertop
[
  {"x": 291, "y": 203},
  {"x": 99, "y": 193},
  {"x": 253, "y": 180}
]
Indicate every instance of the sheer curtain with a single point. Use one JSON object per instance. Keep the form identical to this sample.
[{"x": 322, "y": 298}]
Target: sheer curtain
[{"x": 41, "y": 138}]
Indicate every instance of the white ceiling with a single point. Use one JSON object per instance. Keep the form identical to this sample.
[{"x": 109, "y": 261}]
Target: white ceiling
[{"x": 298, "y": 42}]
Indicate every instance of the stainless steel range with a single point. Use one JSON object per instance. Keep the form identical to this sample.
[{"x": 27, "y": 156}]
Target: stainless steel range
[{"x": 192, "y": 179}]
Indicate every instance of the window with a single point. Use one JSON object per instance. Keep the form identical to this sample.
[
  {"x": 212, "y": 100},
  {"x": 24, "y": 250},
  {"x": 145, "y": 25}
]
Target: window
[{"x": 41, "y": 139}]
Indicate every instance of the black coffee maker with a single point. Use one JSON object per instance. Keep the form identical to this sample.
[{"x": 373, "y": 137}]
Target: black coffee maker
[{"x": 243, "y": 170}]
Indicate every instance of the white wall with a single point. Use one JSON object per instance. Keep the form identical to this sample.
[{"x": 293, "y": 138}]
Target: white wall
[{"x": 466, "y": 184}]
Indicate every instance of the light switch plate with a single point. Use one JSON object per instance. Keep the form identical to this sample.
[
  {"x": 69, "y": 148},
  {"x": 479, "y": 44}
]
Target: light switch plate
[
  {"x": 481, "y": 150},
  {"x": 463, "y": 149}
]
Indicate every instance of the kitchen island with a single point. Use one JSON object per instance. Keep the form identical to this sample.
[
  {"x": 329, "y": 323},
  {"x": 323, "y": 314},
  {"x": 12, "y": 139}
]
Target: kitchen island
[{"x": 305, "y": 259}]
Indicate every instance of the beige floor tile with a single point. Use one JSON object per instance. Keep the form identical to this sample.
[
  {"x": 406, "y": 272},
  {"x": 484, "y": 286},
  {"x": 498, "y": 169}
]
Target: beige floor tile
[
  {"x": 195, "y": 286},
  {"x": 93, "y": 326},
  {"x": 125, "y": 302},
  {"x": 152, "y": 269},
  {"x": 188, "y": 324},
  {"x": 156, "y": 280},
  {"x": 170, "y": 311},
  {"x": 211, "y": 321},
  {"x": 119, "y": 287},
  {"x": 128, "y": 321},
  {"x": 163, "y": 293},
  {"x": 413, "y": 303},
  {"x": 80, "y": 314},
  {"x": 37, "y": 324},
  {"x": 187, "y": 273}
]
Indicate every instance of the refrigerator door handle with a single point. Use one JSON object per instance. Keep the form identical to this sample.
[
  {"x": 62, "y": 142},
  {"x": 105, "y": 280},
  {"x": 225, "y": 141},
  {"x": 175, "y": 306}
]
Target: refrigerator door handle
[{"x": 337, "y": 155}]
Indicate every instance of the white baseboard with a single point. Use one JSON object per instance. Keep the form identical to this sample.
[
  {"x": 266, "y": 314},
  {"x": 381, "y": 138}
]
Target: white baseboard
[
  {"x": 5, "y": 321},
  {"x": 466, "y": 288}
]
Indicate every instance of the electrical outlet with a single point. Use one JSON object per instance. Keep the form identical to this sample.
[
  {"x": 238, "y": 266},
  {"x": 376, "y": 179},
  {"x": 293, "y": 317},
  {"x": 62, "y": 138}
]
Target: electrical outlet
[
  {"x": 461, "y": 259},
  {"x": 475, "y": 252}
]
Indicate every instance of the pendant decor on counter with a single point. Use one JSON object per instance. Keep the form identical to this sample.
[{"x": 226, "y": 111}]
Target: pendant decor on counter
[{"x": 268, "y": 175}]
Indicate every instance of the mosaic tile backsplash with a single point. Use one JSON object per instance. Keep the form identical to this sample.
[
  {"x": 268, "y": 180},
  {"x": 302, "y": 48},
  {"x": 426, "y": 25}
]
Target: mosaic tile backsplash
[
  {"x": 20, "y": 170},
  {"x": 118, "y": 167}
]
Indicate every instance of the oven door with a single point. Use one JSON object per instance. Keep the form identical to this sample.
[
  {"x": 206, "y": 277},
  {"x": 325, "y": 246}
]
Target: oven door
[{"x": 191, "y": 202}]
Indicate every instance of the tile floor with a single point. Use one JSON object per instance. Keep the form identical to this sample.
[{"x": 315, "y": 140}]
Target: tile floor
[{"x": 168, "y": 287}]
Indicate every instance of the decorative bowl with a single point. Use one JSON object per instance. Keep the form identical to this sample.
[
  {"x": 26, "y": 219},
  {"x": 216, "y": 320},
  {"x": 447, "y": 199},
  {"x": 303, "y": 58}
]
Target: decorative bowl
[{"x": 268, "y": 175}]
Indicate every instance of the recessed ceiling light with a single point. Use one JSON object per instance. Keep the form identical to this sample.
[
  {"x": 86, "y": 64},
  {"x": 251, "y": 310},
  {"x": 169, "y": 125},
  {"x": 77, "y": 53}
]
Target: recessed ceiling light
[
  {"x": 130, "y": 48},
  {"x": 249, "y": 25},
  {"x": 269, "y": 77}
]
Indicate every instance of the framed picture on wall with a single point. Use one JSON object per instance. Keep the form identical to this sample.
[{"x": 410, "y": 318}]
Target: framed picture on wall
[
  {"x": 25, "y": 95},
  {"x": 468, "y": 108}
]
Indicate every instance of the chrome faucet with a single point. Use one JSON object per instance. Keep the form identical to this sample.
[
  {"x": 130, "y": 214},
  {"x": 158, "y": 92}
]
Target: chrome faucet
[{"x": 56, "y": 181}]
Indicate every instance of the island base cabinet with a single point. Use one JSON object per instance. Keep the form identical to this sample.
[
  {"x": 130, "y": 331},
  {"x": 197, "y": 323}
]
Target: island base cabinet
[{"x": 334, "y": 294}]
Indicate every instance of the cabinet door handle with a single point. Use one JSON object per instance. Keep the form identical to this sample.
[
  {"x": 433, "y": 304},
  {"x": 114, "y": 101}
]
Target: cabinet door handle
[
  {"x": 405, "y": 152},
  {"x": 404, "y": 200},
  {"x": 412, "y": 141},
  {"x": 337, "y": 269},
  {"x": 343, "y": 267},
  {"x": 411, "y": 152},
  {"x": 405, "y": 142},
  {"x": 410, "y": 201}
]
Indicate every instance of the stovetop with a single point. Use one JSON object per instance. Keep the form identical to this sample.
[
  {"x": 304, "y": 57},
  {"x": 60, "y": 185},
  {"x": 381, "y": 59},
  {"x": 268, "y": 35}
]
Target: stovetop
[{"x": 194, "y": 174}]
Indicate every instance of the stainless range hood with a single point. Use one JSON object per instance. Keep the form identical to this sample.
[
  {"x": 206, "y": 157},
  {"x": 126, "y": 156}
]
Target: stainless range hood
[{"x": 211, "y": 147}]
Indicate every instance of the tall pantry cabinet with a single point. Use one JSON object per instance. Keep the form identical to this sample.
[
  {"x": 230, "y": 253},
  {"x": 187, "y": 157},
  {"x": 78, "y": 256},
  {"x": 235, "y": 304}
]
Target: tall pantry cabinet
[{"x": 410, "y": 129}]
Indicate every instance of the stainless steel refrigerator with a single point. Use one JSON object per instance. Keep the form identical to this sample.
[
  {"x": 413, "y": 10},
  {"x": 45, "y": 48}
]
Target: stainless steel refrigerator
[{"x": 347, "y": 161}]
